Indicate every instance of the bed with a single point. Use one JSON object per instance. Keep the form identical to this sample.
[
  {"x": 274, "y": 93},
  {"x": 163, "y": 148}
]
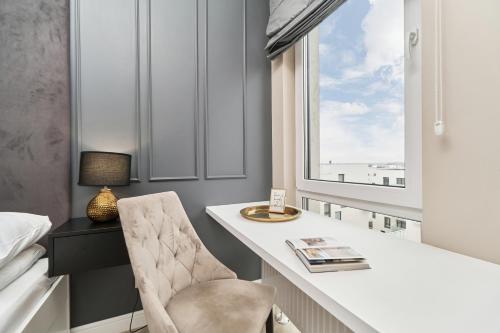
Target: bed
[{"x": 35, "y": 303}]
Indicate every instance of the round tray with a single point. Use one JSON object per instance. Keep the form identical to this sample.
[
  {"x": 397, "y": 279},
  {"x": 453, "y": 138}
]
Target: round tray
[{"x": 262, "y": 214}]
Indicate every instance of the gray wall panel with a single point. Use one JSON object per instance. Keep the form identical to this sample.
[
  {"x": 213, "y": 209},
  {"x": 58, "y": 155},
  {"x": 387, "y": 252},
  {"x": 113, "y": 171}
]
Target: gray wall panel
[
  {"x": 226, "y": 85},
  {"x": 34, "y": 108},
  {"x": 107, "y": 74},
  {"x": 174, "y": 90}
]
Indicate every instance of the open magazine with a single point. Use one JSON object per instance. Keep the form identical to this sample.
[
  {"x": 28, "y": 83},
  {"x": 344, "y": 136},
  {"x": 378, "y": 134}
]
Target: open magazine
[{"x": 325, "y": 254}]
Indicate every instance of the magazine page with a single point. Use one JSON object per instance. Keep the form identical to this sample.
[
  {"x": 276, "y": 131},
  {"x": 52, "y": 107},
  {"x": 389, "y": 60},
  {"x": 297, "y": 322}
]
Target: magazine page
[
  {"x": 332, "y": 253},
  {"x": 312, "y": 242}
]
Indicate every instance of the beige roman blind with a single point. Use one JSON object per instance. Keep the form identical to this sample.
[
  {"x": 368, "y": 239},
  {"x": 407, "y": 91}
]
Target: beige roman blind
[{"x": 290, "y": 20}]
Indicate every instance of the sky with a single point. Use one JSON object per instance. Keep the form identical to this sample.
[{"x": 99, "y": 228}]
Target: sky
[{"x": 361, "y": 83}]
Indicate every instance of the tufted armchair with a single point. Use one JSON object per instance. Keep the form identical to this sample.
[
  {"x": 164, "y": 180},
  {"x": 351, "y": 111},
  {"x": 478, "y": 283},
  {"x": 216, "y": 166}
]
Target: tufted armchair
[{"x": 183, "y": 288}]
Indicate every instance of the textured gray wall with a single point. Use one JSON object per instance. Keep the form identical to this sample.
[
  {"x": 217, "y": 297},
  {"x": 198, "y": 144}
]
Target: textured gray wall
[
  {"x": 34, "y": 108},
  {"x": 220, "y": 84}
]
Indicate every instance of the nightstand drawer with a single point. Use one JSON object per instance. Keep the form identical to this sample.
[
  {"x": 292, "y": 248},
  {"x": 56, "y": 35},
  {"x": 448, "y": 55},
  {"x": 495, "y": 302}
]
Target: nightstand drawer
[{"x": 79, "y": 253}]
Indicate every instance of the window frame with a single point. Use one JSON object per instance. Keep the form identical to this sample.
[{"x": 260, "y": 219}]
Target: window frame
[{"x": 403, "y": 202}]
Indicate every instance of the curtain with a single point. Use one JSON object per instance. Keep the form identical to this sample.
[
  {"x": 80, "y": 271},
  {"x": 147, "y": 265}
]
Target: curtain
[
  {"x": 290, "y": 20},
  {"x": 283, "y": 124}
]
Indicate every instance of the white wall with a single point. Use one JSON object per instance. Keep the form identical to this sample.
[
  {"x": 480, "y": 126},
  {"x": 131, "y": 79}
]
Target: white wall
[{"x": 461, "y": 171}]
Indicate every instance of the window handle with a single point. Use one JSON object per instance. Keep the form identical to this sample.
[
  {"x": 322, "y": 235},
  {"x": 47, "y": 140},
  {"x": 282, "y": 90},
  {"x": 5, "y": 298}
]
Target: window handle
[{"x": 413, "y": 39}]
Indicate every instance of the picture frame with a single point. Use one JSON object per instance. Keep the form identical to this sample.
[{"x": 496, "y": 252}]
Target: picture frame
[{"x": 277, "y": 201}]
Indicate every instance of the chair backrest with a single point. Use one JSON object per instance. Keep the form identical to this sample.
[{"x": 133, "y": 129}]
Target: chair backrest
[{"x": 164, "y": 249}]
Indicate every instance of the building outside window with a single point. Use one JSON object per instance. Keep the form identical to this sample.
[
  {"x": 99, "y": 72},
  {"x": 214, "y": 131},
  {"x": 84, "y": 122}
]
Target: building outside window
[
  {"x": 387, "y": 222},
  {"x": 401, "y": 224},
  {"x": 400, "y": 181},
  {"x": 341, "y": 177},
  {"x": 363, "y": 219}
]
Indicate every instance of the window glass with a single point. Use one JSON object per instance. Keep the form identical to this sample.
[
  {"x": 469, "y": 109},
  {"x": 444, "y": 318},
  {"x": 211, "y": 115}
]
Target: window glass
[
  {"x": 355, "y": 95},
  {"x": 404, "y": 228}
]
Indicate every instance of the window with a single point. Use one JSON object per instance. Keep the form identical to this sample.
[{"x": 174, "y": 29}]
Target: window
[
  {"x": 387, "y": 222},
  {"x": 401, "y": 224},
  {"x": 358, "y": 89},
  {"x": 374, "y": 215},
  {"x": 363, "y": 219},
  {"x": 386, "y": 181},
  {"x": 328, "y": 211}
]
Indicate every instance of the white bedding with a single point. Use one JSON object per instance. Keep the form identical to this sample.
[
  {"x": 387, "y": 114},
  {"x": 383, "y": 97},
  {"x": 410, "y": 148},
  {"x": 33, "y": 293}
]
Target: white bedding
[{"x": 18, "y": 299}]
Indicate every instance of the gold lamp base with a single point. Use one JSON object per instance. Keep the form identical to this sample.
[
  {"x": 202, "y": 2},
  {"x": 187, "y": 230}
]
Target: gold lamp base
[{"x": 103, "y": 207}]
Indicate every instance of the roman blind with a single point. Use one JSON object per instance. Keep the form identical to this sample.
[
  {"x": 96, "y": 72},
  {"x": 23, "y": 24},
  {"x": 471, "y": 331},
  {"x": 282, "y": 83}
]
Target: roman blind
[{"x": 290, "y": 20}]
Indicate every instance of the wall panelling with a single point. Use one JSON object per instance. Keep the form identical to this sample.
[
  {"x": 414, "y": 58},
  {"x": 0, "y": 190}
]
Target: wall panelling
[
  {"x": 187, "y": 81},
  {"x": 225, "y": 70}
]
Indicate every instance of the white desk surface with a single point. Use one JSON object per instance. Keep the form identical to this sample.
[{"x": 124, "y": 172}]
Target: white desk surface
[{"x": 411, "y": 287}]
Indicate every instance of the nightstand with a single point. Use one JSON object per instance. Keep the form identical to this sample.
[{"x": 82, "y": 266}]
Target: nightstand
[{"x": 81, "y": 245}]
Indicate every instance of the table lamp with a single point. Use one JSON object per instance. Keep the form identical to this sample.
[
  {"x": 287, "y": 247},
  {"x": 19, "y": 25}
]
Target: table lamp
[{"x": 103, "y": 169}]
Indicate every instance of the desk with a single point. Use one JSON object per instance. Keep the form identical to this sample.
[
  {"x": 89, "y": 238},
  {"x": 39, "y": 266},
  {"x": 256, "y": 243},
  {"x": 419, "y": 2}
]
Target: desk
[{"x": 411, "y": 287}]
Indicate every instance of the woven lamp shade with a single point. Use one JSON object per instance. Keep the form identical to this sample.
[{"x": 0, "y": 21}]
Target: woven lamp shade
[{"x": 104, "y": 169}]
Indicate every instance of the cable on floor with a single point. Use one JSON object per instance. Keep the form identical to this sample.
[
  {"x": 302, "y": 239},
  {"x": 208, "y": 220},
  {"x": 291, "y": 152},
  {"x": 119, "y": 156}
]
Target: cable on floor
[{"x": 132, "y": 317}]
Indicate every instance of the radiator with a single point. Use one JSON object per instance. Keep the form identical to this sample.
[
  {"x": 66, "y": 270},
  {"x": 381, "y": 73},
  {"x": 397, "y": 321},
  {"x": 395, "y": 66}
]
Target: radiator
[{"x": 306, "y": 314}]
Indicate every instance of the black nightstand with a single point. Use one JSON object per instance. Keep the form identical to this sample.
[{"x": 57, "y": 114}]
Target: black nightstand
[{"x": 81, "y": 245}]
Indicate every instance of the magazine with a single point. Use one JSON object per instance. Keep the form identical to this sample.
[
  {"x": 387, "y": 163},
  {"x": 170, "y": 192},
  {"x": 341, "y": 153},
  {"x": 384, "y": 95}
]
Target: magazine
[{"x": 325, "y": 254}]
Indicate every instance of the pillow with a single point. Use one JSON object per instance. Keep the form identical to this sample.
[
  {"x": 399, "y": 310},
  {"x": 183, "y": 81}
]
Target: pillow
[
  {"x": 20, "y": 264},
  {"x": 19, "y": 231}
]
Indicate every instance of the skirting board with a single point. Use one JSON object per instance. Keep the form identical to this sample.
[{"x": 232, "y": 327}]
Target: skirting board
[{"x": 117, "y": 324}]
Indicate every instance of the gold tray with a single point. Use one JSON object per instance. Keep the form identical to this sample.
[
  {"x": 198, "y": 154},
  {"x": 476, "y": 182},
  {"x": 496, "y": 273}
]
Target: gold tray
[{"x": 262, "y": 214}]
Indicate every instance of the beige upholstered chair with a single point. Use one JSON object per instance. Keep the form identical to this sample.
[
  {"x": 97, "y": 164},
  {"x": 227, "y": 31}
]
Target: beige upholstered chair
[{"x": 183, "y": 288}]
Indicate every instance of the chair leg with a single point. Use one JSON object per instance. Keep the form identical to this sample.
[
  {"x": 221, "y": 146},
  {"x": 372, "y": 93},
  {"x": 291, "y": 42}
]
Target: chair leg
[{"x": 269, "y": 323}]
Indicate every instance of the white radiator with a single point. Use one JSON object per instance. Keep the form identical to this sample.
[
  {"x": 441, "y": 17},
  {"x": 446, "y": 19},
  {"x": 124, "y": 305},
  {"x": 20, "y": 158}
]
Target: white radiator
[{"x": 306, "y": 315}]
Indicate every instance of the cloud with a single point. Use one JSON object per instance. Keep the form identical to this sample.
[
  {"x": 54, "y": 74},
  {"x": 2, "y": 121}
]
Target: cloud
[
  {"x": 337, "y": 109},
  {"x": 327, "y": 82},
  {"x": 347, "y": 57},
  {"x": 383, "y": 42},
  {"x": 343, "y": 109},
  {"x": 358, "y": 133},
  {"x": 383, "y": 33},
  {"x": 327, "y": 26},
  {"x": 323, "y": 49},
  {"x": 346, "y": 142},
  {"x": 362, "y": 108},
  {"x": 391, "y": 106}
]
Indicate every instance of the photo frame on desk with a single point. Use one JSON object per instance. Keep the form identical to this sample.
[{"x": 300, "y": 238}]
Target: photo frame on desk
[{"x": 277, "y": 201}]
